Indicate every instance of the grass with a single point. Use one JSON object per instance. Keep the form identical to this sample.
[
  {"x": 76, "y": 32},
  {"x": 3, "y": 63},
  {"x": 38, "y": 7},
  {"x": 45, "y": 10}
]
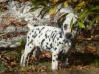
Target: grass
[{"x": 2, "y": 66}]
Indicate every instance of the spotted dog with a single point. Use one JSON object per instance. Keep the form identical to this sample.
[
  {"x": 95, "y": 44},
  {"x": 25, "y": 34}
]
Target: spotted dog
[{"x": 51, "y": 39}]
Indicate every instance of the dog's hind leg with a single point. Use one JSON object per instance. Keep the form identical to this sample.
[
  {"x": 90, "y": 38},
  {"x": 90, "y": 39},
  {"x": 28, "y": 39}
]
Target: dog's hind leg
[
  {"x": 37, "y": 52},
  {"x": 28, "y": 48}
]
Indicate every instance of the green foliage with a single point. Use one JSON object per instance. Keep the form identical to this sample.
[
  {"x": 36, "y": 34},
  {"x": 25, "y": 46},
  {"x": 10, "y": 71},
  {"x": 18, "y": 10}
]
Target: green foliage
[
  {"x": 22, "y": 51},
  {"x": 71, "y": 23},
  {"x": 83, "y": 7},
  {"x": 83, "y": 14},
  {"x": 2, "y": 66},
  {"x": 0, "y": 10},
  {"x": 96, "y": 63},
  {"x": 81, "y": 25},
  {"x": 20, "y": 42}
]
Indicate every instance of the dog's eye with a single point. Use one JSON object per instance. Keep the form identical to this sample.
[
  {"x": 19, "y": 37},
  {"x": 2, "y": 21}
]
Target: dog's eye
[{"x": 65, "y": 26}]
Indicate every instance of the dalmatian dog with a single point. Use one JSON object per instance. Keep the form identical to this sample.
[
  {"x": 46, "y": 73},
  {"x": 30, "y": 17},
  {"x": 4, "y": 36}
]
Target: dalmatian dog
[{"x": 51, "y": 39}]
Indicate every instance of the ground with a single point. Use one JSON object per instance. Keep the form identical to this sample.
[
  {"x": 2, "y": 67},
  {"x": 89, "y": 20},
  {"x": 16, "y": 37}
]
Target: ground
[{"x": 80, "y": 63}]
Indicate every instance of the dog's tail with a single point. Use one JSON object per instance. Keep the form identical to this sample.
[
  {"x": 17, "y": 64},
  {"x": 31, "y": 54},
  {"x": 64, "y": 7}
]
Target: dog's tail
[{"x": 30, "y": 26}]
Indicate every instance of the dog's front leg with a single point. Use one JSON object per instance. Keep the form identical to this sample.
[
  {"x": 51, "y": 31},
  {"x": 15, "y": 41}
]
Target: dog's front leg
[
  {"x": 54, "y": 60},
  {"x": 64, "y": 59}
]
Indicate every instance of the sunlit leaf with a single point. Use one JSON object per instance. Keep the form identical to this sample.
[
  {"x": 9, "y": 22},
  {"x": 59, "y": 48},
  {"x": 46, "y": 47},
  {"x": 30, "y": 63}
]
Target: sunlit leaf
[
  {"x": 81, "y": 24},
  {"x": 82, "y": 3},
  {"x": 62, "y": 17},
  {"x": 65, "y": 4},
  {"x": 53, "y": 10},
  {"x": 55, "y": 1}
]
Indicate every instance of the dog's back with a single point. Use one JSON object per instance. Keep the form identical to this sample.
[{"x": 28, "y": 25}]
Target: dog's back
[{"x": 44, "y": 36}]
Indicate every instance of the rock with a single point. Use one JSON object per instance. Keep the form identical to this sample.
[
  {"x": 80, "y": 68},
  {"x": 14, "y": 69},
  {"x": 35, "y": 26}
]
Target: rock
[
  {"x": 3, "y": 0},
  {"x": 10, "y": 29}
]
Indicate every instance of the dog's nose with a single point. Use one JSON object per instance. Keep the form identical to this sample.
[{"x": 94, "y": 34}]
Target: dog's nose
[{"x": 68, "y": 35}]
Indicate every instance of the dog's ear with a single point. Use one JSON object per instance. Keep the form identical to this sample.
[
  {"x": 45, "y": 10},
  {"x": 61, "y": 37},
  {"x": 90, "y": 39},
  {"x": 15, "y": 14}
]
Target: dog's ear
[{"x": 61, "y": 20}]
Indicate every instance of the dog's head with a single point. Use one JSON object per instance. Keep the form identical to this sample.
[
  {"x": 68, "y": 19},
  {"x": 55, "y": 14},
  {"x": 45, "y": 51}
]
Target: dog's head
[{"x": 65, "y": 25}]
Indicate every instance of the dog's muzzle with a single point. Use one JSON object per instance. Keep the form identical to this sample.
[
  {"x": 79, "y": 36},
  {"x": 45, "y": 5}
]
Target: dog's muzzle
[{"x": 68, "y": 35}]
